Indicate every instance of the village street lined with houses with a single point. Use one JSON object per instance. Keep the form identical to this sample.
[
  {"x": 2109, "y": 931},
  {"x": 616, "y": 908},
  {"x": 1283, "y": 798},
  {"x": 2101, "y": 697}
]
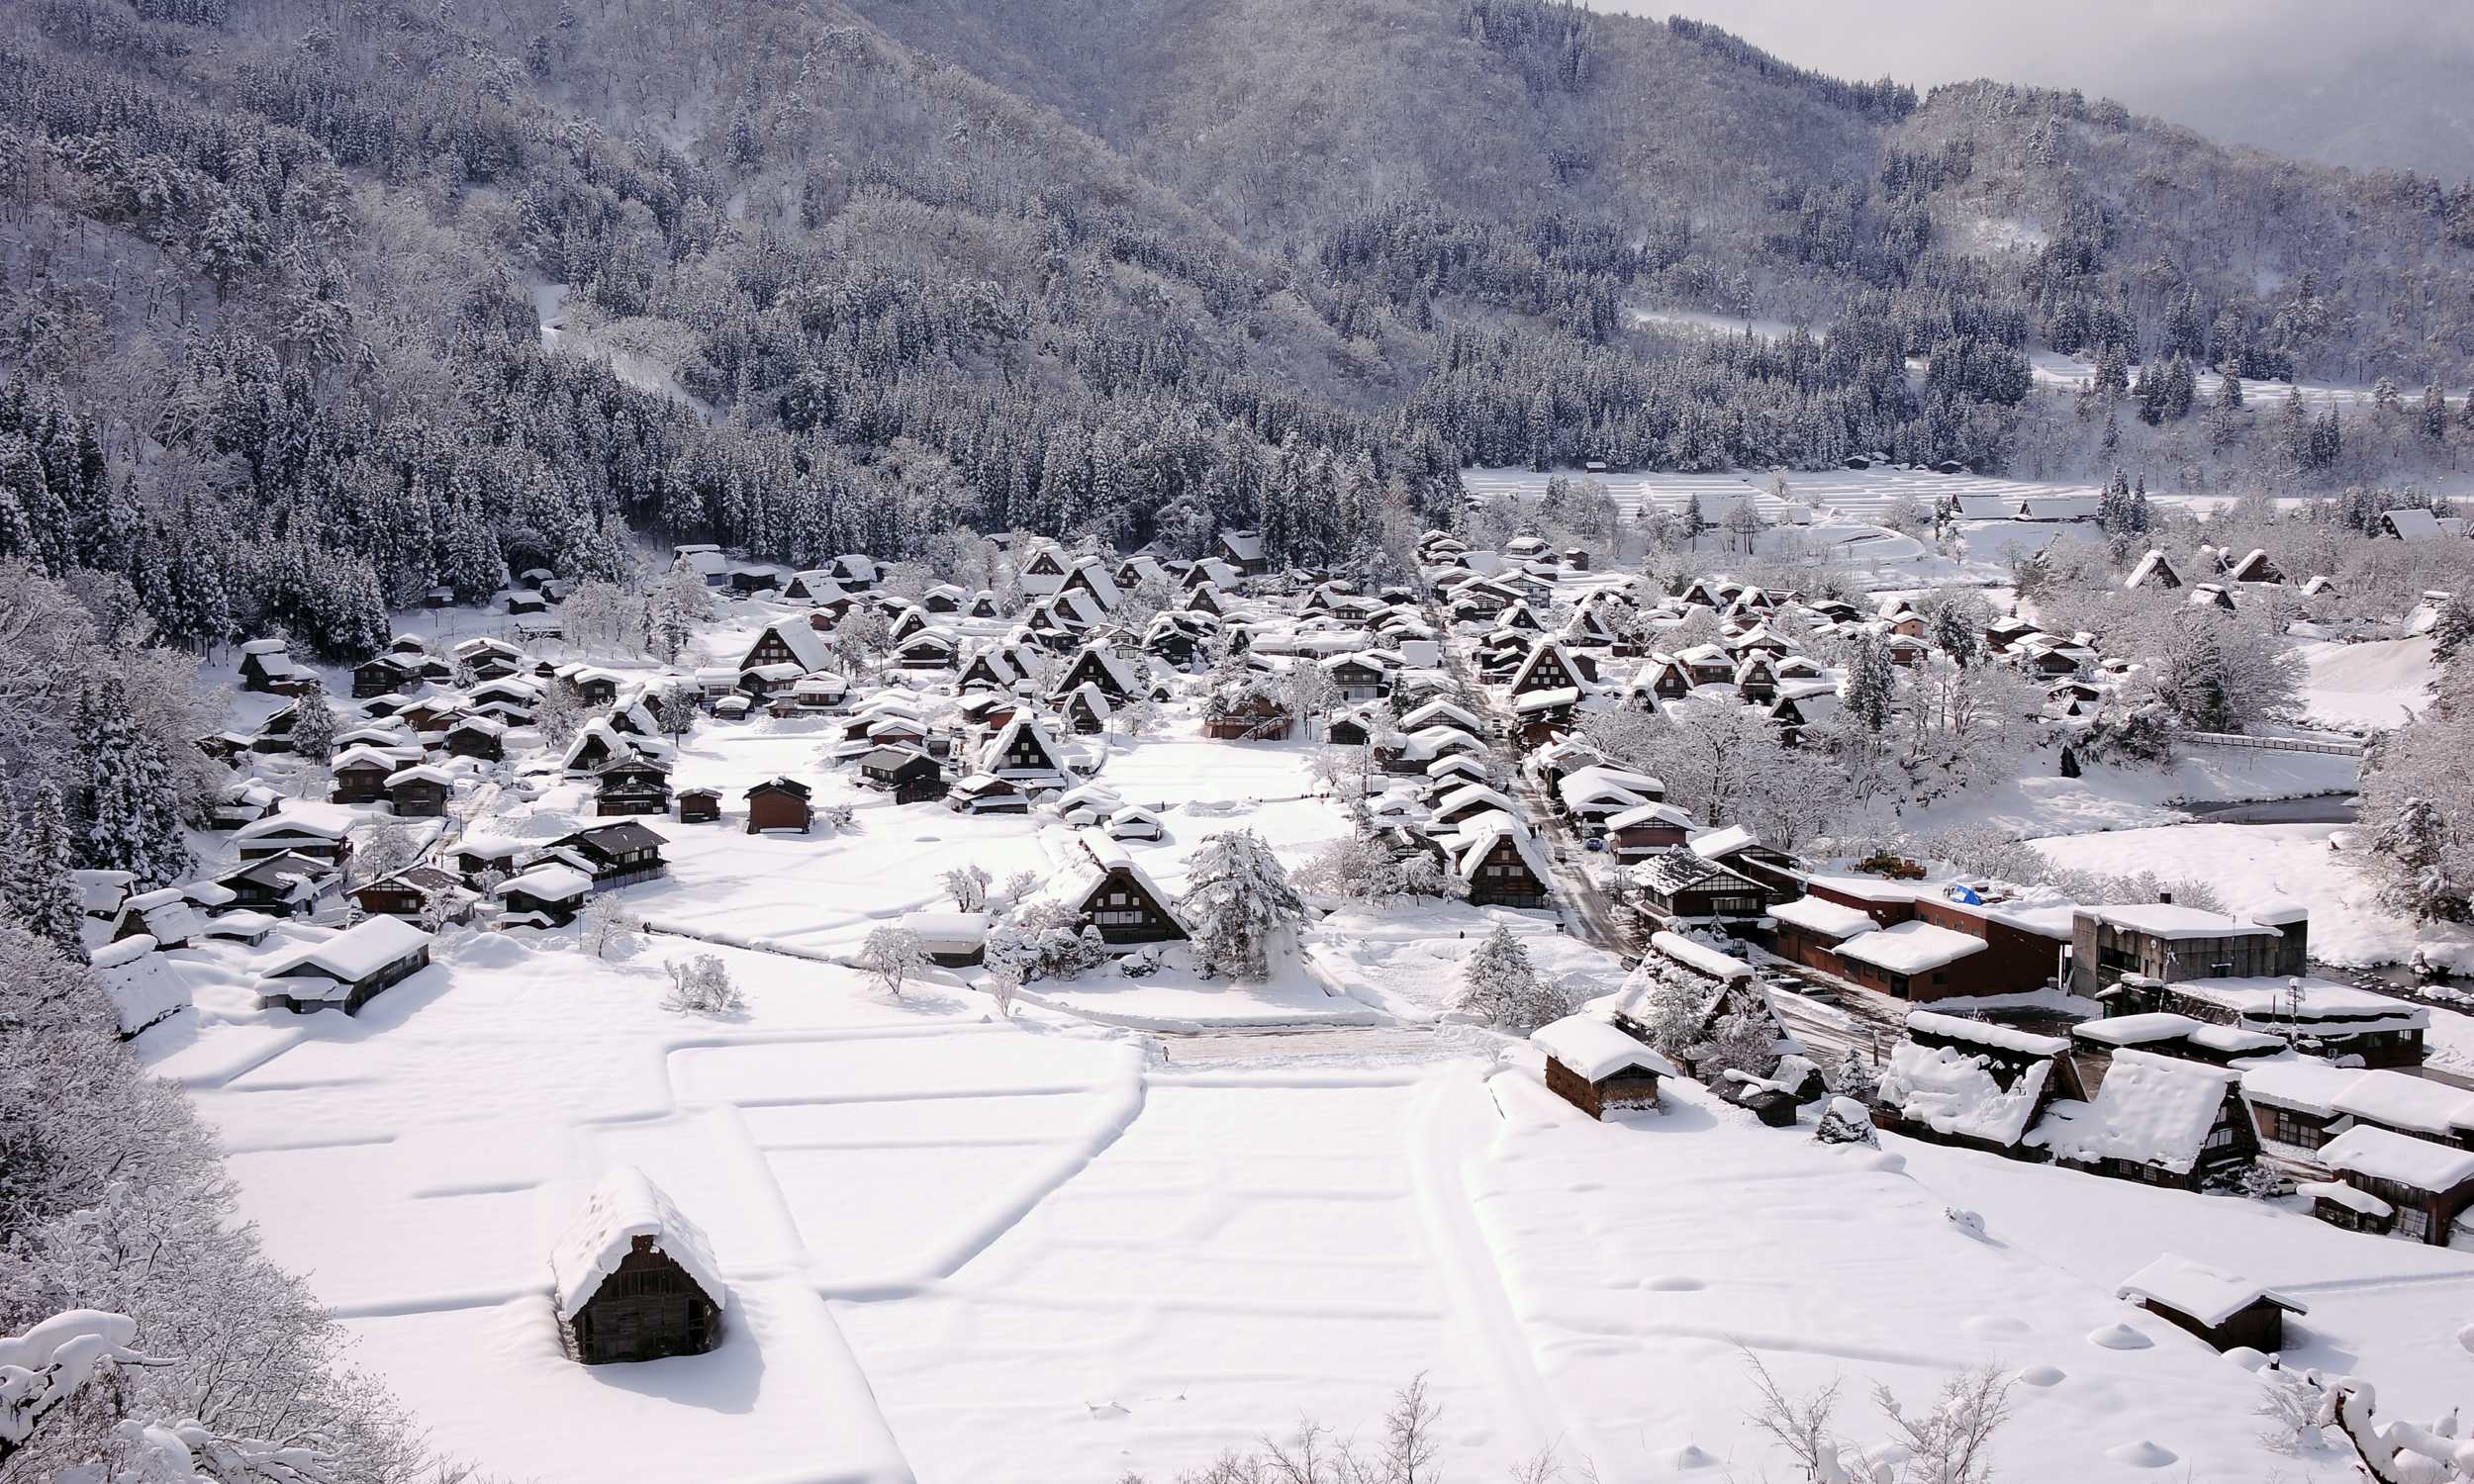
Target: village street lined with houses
[{"x": 1049, "y": 1025}]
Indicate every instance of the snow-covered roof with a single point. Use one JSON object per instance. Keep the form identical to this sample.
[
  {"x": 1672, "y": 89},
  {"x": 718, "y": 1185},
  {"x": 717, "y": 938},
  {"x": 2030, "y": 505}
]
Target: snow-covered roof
[
  {"x": 622, "y": 1207},
  {"x": 1910, "y": 947},
  {"x": 549, "y": 883},
  {"x": 2137, "y": 1030},
  {"x": 303, "y": 817},
  {"x": 948, "y": 932},
  {"x": 1949, "y": 1092},
  {"x": 2296, "y": 1082},
  {"x": 2414, "y": 525},
  {"x": 1650, "y": 813},
  {"x": 2361, "y": 1201},
  {"x": 1716, "y": 845},
  {"x": 1828, "y": 918},
  {"x": 142, "y": 984},
  {"x": 2385, "y": 1156},
  {"x": 1595, "y": 1050},
  {"x": 2152, "y": 1111},
  {"x": 354, "y": 953},
  {"x": 2210, "y": 1295},
  {"x": 2321, "y": 1004},
  {"x": 1478, "y": 835},
  {"x": 806, "y": 646},
  {"x": 1700, "y": 959},
  {"x": 1441, "y": 710},
  {"x": 2007, "y": 1038},
  {"x": 1534, "y": 701},
  {"x": 1469, "y": 795},
  {"x": 2402, "y": 1101},
  {"x": 2172, "y": 921},
  {"x": 1600, "y": 781}
]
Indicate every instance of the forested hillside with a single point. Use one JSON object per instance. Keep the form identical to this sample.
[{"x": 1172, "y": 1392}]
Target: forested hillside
[{"x": 822, "y": 277}]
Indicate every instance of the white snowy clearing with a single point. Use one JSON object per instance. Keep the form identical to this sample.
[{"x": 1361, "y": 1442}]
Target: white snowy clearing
[{"x": 964, "y": 1249}]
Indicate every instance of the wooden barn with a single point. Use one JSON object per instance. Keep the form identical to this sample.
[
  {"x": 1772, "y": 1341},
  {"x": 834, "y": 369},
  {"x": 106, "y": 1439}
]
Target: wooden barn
[
  {"x": 987, "y": 793},
  {"x": 698, "y": 805},
  {"x": 1594, "y": 1066},
  {"x": 909, "y": 772},
  {"x": 346, "y": 970},
  {"x": 547, "y": 895},
  {"x": 631, "y": 785},
  {"x": 779, "y": 803},
  {"x": 1680, "y": 886},
  {"x": 634, "y": 1279},
  {"x": 419, "y": 791},
  {"x": 1252, "y": 715},
  {"x": 1103, "y": 883},
  {"x": 1500, "y": 863},
  {"x": 2219, "y": 1308},
  {"x": 618, "y": 855}
]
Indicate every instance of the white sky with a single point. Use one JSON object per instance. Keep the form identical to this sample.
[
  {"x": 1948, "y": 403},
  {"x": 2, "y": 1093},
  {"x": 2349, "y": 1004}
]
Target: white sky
[
  {"x": 2189, "y": 60},
  {"x": 2101, "y": 45}
]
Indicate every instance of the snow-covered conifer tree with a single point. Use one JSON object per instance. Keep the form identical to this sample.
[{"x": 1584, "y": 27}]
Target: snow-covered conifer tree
[
  {"x": 137, "y": 807},
  {"x": 1500, "y": 984},
  {"x": 313, "y": 732},
  {"x": 1238, "y": 899},
  {"x": 37, "y": 885}
]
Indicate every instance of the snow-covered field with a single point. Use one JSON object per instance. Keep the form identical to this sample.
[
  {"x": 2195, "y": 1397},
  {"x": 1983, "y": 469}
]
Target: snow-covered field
[
  {"x": 960, "y": 1249},
  {"x": 2384, "y": 683}
]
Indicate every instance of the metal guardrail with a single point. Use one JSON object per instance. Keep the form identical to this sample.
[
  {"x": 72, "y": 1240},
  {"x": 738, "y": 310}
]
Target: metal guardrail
[{"x": 2332, "y": 748}]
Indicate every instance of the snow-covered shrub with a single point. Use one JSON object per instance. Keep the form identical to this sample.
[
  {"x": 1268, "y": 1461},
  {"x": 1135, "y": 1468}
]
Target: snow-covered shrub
[
  {"x": 1845, "y": 1121},
  {"x": 1740, "y": 1041},
  {"x": 1360, "y": 870},
  {"x": 838, "y": 817},
  {"x": 1673, "y": 1009},
  {"x": 891, "y": 956},
  {"x": 1501, "y": 986},
  {"x": 701, "y": 987},
  {"x": 1948, "y": 1441},
  {"x": 605, "y": 930},
  {"x": 968, "y": 887},
  {"x": 2289, "y": 1407},
  {"x": 1855, "y": 1079},
  {"x": 1050, "y": 941}
]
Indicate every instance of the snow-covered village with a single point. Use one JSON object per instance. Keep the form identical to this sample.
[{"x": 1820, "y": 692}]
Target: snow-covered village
[{"x": 669, "y": 813}]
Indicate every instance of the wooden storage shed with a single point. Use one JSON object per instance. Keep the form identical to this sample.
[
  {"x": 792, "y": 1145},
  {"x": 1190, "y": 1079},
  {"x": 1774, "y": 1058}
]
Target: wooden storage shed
[
  {"x": 779, "y": 803},
  {"x": 2219, "y": 1308},
  {"x": 636, "y": 1280},
  {"x": 1594, "y": 1066}
]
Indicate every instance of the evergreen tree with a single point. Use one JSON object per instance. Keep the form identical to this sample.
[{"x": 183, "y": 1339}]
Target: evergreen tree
[
  {"x": 1871, "y": 691},
  {"x": 312, "y": 724},
  {"x": 135, "y": 807},
  {"x": 1500, "y": 985},
  {"x": 2412, "y": 845},
  {"x": 2452, "y": 627},
  {"x": 1238, "y": 899},
  {"x": 38, "y": 890},
  {"x": 2432, "y": 413}
]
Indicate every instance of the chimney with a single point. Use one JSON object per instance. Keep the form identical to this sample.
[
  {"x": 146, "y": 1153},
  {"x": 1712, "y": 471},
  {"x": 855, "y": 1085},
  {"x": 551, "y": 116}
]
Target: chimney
[{"x": 2166, "y": 898}]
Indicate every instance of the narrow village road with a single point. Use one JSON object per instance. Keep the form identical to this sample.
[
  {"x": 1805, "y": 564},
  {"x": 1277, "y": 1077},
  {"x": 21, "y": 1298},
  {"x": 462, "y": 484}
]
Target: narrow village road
[{"x": 1587, "y": 911}]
